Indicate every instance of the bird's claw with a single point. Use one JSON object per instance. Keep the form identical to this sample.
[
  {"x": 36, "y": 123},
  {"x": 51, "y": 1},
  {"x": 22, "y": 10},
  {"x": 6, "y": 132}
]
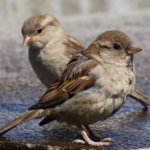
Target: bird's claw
[{"x": 103, "y": 142}]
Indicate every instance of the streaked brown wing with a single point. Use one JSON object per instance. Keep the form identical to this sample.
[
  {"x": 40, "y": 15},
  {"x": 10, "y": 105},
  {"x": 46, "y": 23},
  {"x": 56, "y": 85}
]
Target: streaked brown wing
[
  {"x": 140, "y": 97},
  {"x": 74, "y": 79},
  {"x": 73, "y": 46}
]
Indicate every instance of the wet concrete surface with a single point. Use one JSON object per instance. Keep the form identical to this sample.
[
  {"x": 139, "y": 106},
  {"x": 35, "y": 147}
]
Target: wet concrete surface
[{"x": 19, "y": 88}]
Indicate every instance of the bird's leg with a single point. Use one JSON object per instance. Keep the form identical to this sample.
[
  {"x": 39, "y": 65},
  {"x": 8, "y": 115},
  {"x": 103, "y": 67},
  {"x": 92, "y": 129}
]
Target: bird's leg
[
  {"x": 91, "y": 134},
  {"x": 87, "y": 140},
  {"x": 94, "y": 137}
]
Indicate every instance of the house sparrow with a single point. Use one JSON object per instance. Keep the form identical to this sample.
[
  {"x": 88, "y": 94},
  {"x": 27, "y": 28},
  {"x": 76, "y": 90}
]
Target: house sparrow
[
  {"x": 93, "y": 86},
  {"x": 51, "y": 48}
]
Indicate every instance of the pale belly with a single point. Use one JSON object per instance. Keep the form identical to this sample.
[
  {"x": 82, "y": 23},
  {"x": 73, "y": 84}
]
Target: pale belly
[{"x": 87, "y": 108}]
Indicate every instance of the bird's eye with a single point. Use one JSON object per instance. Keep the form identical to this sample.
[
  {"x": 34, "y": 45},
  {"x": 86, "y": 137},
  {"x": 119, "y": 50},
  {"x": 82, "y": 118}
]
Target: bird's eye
[
  {"x": 116, "y": 46},
  {"x": 40, "y": 30}
]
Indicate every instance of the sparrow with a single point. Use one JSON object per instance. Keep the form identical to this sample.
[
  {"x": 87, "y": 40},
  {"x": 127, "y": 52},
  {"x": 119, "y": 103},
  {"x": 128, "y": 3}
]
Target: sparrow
[
  {"x": 93, "y": 86},
  {"x": 51, "y": 48}
]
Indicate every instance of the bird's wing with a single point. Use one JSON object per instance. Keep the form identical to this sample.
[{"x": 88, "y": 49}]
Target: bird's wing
[
  {"x": 73, "y": 46},
  {"x": 74, "y": 79},
  {"x": 140, "y": 97}
]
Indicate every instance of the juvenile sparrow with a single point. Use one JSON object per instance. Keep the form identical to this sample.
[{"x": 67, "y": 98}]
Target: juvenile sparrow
[
  {"x": 93, "y": 86},
  {"x": 51, "y": 48}
]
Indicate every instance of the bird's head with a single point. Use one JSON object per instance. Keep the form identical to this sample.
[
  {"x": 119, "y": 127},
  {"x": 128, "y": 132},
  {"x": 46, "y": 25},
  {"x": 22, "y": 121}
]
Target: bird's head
[
  {"x": 114, "y": 47},
  {"x": 38, "y": 30}
]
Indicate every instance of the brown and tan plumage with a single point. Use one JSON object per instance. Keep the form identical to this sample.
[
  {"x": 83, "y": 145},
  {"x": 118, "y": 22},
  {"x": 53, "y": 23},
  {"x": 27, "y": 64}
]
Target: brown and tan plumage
[
  {"x": 74, "y": 79},
  {"x": 51, "y": 48},
  {"x": 91, "y": 88}
]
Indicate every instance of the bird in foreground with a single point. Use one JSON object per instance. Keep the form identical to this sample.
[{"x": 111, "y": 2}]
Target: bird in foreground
[
  {"x": 93, "y": 87},
  {"x": 51, "y": 48}
]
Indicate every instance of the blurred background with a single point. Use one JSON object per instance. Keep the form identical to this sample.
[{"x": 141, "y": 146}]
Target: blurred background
[{"x": 12, "y": 9}]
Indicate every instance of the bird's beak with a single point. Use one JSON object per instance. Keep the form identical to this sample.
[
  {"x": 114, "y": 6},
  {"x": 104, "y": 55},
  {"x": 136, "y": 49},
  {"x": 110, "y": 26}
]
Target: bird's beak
[
  {"x": 133, "y": 49},
  {"x": 29, "y": 40}
]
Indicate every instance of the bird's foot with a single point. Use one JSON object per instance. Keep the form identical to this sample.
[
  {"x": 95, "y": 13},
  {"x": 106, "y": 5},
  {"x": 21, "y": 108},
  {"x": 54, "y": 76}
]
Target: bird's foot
[
  {"x": 103, "y": 142},
  {"x": 97, "y": 139},
  {"x": 87, "y": 140}
]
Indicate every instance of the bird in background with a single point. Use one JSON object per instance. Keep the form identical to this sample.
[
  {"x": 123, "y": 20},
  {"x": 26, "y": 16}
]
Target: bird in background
[
  {"x": 51, "y": 48},
  {"x": 93, "y": 86}
]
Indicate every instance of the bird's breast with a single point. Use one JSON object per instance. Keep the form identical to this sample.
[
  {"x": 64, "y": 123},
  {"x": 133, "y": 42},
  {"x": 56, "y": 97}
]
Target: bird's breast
[
  {"x": 115, "y": 80},
  {"x": 48, "y": 65}
]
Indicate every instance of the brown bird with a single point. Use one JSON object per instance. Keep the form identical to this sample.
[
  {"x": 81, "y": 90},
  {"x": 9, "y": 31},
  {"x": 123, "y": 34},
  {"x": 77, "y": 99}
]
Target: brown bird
[
  {"x": 93, "y": 86},
  {"x": 51, "y": 48}
]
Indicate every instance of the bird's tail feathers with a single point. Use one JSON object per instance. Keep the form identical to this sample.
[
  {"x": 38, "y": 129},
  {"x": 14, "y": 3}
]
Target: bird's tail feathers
[{"x": 30, "y": 115}]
